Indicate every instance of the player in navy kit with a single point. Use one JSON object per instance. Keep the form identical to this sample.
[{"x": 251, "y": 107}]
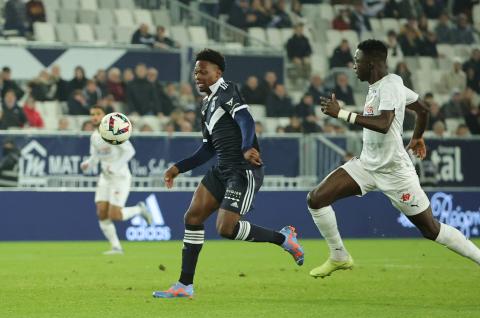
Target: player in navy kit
[{"x": 229, "y": 186}]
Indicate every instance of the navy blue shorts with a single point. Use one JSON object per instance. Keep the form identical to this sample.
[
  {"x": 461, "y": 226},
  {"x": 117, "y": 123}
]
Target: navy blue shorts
[{"x": 234, "y": 189}]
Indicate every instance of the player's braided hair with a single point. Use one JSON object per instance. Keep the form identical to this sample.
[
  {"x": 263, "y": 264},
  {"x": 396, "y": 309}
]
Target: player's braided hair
[
  {"x": 212, "y": 56},
  {"x": 374, "y": 48}
]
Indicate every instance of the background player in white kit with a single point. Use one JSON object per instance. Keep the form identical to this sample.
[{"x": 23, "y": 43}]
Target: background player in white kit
[
  {"x": 113, "y": 185},
  {"x": 384, "y": 163}
]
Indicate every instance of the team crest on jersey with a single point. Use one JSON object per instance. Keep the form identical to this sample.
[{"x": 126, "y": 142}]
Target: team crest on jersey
[
  {"x": 230, "y": 102},
  {"x": 408, "y": 199},
  {"x": 368, "y": 110}
]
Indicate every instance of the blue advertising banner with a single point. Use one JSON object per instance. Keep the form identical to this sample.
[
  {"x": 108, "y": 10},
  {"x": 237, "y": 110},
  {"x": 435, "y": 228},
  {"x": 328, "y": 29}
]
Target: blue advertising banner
[
  {"x": 61, "y": 155},
  {"x": 71, "y": 215}
]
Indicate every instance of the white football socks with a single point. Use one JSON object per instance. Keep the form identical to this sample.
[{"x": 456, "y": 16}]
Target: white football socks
[
  {"x": 110, "y": 232},
  {"x": 326, "y": 223},
  {"x": 457, "y": 242},
  {"x": 130, "y": 212}
]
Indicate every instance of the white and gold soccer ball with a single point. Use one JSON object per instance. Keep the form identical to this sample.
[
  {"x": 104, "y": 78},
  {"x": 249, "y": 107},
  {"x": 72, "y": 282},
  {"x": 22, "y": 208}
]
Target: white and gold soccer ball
[{"x": 115, "y": 128}]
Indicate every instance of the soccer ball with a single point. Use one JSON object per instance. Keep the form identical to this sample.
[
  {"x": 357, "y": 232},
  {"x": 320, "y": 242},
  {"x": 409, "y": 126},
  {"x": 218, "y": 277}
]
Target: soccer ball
[{"x": 115, "y": 128}]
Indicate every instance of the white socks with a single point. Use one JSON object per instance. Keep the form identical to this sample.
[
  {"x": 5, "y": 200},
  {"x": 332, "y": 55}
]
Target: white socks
[
  {"x": 457, "y": 242},
  {"x": 130, "y": 212},
  {"x": 108, "y": 229},
  {"x": 326, "y": 223}
]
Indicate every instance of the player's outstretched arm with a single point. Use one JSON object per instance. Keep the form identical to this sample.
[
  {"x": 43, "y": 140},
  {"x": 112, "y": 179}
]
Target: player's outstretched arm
[
  {"x": 380, "y": 123},
  {"x": 416, "y": 144}
]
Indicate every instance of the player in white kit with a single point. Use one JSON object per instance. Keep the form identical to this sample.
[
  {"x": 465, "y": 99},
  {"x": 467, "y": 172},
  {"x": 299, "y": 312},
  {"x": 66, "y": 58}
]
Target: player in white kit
[
  {"x": 113, "y": 185},
  {"x": 384, "y": 164}
]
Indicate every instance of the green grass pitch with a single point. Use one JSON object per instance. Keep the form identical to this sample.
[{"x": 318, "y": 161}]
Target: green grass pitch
[{"x": 392, "y": 278}]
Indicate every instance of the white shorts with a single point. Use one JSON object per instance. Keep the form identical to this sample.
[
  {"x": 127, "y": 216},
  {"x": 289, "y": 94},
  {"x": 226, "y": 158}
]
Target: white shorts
[
  {"x": 114, "y": 190},
  {"x": 401, "y": 187}
]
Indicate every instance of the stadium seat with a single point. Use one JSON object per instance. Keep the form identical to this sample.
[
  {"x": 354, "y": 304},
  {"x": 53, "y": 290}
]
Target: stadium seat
[
  {"x": 453, "y": 123},
  {"x": 257, "y": 36},
  {"x": 123, "y": 34},
  {"x": 89, "y": 4},
  {"x": 326, "y": 11},
  {"x": 462, "y": 51},
  {"x": 65, "y": 33},
  {"x": 432, "y": 24},
  {"x": 319, "y": 64},
  {"x": 70, "y": 4},
  {"x": 84, "y": 33},
  {"x": 426, "y": 63},
  {"x": 51, "y": 16},
  {"x": 286, "y": 34},
  {"x": 67, "y": 16},
  {"x": 446, "y": 50},
  {"x": 107, "y": 4},
  {"x": 180, "y": 34},
  {"x": 105, "y": 17},
  {"x": 310, "y": 12},
  {"x": 275, "y": 37},
  {"x": 412, "y": 62},
  {"x": 390, "y": 24},
  {"x": 51, "y": 4},
  {"x": 198, "y": 35},
  {"x": 44, "y": 31},
  {"x": 103, "y": 33},
  {"x": 270, "y": 124},
  {"x": 152, "y": 121},
  {"x": 142, "y": 16},
  {"x": 124, "y": 17},
  {"x": 87, "y": 16},
  {"x": 258, "y": 112},
  {"x": 126, "y": 4},
  {"x": 161, "y": 17},
  {"x": 376, "y": 25},
  {"x": 476, "y": 16}
]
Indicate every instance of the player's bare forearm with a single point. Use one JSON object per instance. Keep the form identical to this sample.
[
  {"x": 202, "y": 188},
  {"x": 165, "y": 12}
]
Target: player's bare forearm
[
  {"x": 421, "y": 122},
  {"x": 380, "y": 123}
]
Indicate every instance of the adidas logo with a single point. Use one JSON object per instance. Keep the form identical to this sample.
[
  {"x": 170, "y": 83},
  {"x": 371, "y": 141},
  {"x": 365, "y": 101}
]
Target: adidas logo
[
  {"x": 230, "y": 102},
  {"x": 139, "y": 230},
  {"x": 234, "y": 204}
]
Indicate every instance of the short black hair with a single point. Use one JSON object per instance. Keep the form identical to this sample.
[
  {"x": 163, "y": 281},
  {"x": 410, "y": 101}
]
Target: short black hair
[
  {"x": 375, "y": 49},
  {"x": 212, "y": 56}
]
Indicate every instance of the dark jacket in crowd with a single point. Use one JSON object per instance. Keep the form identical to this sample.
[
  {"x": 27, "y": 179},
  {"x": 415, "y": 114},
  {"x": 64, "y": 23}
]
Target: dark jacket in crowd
[
  {"x": 12, "y": 117},
  {"x": 298, "y": 46},
  {"x": 12, "y": 85},
  {"x": 141, "y": 97},
  {"x": 138, "y": 38},
  {"x": 9, "y": 167},
  {"x": 340, "y": 58},
  {"x": 344, "y": 95},
  {"x": 256, "y": 96},
  {"x": 279, "y": 107}
]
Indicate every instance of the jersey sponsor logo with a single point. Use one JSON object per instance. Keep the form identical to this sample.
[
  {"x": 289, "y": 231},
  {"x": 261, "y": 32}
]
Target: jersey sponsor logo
[
  {"x": 157, "y": 231},
  {"x": 446, "y": 211}
]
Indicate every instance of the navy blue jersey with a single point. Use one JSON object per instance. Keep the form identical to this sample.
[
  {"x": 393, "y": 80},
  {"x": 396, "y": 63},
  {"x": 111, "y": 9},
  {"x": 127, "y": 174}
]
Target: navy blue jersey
[{"x": 220, "y": 129}]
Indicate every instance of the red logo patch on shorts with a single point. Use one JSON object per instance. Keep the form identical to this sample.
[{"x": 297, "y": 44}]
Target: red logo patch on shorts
[{"x": 405, "y": 197}]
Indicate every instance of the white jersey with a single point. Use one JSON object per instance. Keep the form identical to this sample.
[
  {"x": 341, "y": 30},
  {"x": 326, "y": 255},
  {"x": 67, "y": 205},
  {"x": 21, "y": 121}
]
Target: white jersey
[
  {"x": 386, "y": 152},
  {"x": 112, "y": 158}
]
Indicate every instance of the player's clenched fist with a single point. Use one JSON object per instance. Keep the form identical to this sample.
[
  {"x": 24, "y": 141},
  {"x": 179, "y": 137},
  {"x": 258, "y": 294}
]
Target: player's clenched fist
[
  {"x": 253, "y": 156},
  {"x": 169, "y": 175},
  {"x": 331, "y": 107}
]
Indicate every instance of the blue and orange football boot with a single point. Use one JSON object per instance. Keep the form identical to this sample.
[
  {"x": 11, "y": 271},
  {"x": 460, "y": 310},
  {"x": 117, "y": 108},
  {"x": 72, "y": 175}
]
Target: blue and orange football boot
[
  {"x": 178, "y": 290},
  {"x": 291, "y": 244}
]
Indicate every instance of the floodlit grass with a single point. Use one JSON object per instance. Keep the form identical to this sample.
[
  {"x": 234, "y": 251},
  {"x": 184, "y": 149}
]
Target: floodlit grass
[{"x": 392, "y": 278}]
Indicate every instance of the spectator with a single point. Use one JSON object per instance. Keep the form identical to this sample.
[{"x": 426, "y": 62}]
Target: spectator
[
  {"x": 9, "y": 164},
  {"x": 173, "y": 96},
  {"x": 258, "y": 128},
  {"x": 77, "y": 104},
  {"x": 35, "y": 12},
  {"x": 63, "y": 124},
  {"x": 88, "y": 126},
  {"x": 10, "y": 84},
  {"x": 186, "y": 127},
  {"x": 141, "y": 96},
  {"x": 92, "y": 93},
  {"x": 268, "y": 85},
  {"x": 401, "y": 9},
  {"x": 294, "y": 126},
  {"x": 317, "y": 89},
  {"x": 101, "y": 80},
  {"x": 472, "y": 70},
  {"x": 306, "y": 111},
  {"x": 12, "y": 115},
  {"x": 191, "y": 116},
  {"x": 462, "y": 131},
  {"x": 186, "y": 98},
  {"x": 443, "y": 30},
  {"x": 428, "y": 47},
  {"x": 15, "y": 16},
  {"x": 359, "y": 21},
  {"x": 278, "y": 103},
  {"x": 281, "y": 19},
  {"x": 432, "y": 8},
  {"x": 463, "y": 32},
  {"x": 410, "y": 39},
  {"x": 33, "y": 117},
  {"x": 299, "y": 51},
  {"x": 115, "y": 85},
  {"x": 462, "y": 6},
  {"x": 342, "y": 56},
  {"x": 403, "y": 71},
  {"x": 165, "y": 105},
  {"x": 107, "y": 103},
  {"x": 79, "y": 80},
  {"x": 472, "y": 119},
  {"x": 128, "y": 76},
  {"x": 435, "y": 113},
  {"x": 238, "y": 14},
  {"x": 454, "y": 80},
  {"x": 453, "y": 108},
  {"x": 162, "y": 41},
  {"x": 394, "y": 49},
  {"x": 439, "y": 129},
  {"x": 251, "y": 91},
  {"x": 296, "y": 12},
  {"x": 343, "y": 91},
  {"x": 41, "y": 88},
  {"x": 146, "y": 128},
  {"x": 59, "y": 85},
  {"x": 142, "y": 36},
  {"x": 422, "y": 25},
  {"x": 259, "y": 15},
  {"x": 342, "y": 20}
]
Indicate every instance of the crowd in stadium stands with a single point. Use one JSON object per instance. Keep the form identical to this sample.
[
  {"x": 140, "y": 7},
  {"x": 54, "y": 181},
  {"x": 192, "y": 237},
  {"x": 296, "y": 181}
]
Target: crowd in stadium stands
[{"x": 139, "y": 92}]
